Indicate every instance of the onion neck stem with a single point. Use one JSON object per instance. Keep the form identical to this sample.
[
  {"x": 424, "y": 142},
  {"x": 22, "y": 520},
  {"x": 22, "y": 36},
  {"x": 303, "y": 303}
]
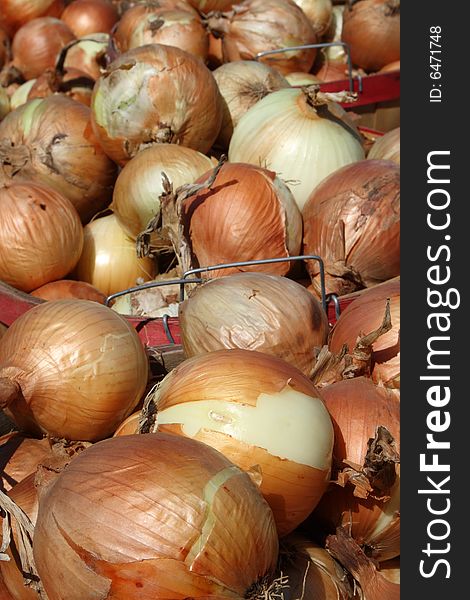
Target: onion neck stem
[{"x": 9, "y": 392}]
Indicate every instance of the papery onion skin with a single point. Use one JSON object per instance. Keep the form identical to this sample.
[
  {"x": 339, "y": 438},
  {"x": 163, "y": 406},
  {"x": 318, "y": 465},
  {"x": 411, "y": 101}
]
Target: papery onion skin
[
  {"x": 51, "y": 141},
  {"x": 387, "y": 147},
  {"x": 16, "y": 13},
  {"x": 254, "y": 311},
  {"x": 72, "y": 83},
  {"x": 177, "y": 101},
  {"x": 352, "y": 220},
  {"x": 194, "y": 525},
  {"x": 257, "y": 410},
  {"x": 287, "y": 135},
  {"x": 41, "y": 236},
  {"x": 37, "y": 44},
  {"x": 97, "y": 376},
  {"x": 371, "y": 28},
  {"x": 68, "y": 288},
  {"x": 86, "y": 17},
  {"x": 365, "y": 315},
  {"x": 248, "y": 214},
  {"x": 301, "y": 79},
  {"x": 19, "y": 456},
  {"x": 136, "y": 194},
  {"x": 88, "y": 54}
]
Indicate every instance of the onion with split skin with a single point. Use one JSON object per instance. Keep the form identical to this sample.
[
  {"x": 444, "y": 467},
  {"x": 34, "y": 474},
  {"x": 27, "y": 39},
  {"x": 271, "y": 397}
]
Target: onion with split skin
[
  {"x": 257, "y": 410},
  {"x": 191, "y": 524},
  {"x": 86, "y": 17},
  {"x": 71, "y": 368},
  {"x": 16, "y": 13},
  {"x": 155, "y": 94},
  {"x": 88, "y": 54}
]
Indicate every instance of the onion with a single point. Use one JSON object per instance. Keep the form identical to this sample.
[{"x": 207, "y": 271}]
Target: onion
[
  {"x": 254, "y": 311},
  {"x": 151, "y": 302},
  {"x": 21, "y": 93},
  {"x": 256, "y": 26},
  {"x": 371, "y": 28},
  {"x": 387, "y": 147},
  {"x": 4, "y": 47},
  {"x": 19, "y": 456},
  {"x": 299, "y": 79},
  {"x": 71, "y": 368},
  {"x": 393, "y": 66},
  {"x": 3, "y": 329},
  {"x": 68, "y": 288},
  {"x": 109, "y": 260},
  {"x": 41, "y": 236},
  {"x": 206, "y": 6},
  {"x": 365, "y": 315},
  {"x": 37, "y": 44},
  {"x": 319, "y": 13},
  {"x": 224, "y": 224},
  {"x": 136, "y": 195},
  {"x": 215, "y": 56},
  {"x": 51, "y": 141},
  {"x": 88, "y": 54},
  {"x": 300, "y": 134},
  {"x": 153, "y": 94},
  {"x": 152, "y": 24},
  {"x": 352, "y": 220},
  {"x": 130, "y": 425},
  {"x": 16, "y": 13},
  {"x": 5, "y": 595},
  {"x": 333, "y": 34},
  {"x": 5, "y": 104},
  {"x": 191, "y": 524},
  {"x": 85, "y": 17},
  {"x": 70, "y": 82},
  {"x": 257, "y": 410},
  {"x": 242, "y": 83},
  {"x": 366, "y": 496},
  {"x": 331, "y": 70},
  {"x": 390, "y": 569}
]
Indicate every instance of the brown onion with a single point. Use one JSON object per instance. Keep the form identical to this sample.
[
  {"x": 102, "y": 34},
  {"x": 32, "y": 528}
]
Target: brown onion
[
  {"x": 41, "y": 236},
  {"x": 254, "y": 311},
  {"x": 130, "y": 425},
  {"x": 331, "y": 70},
  {"x": 319, "y": 13},
  {"x": 154, "y": 94},
  {"x": 51, "y": 141},
  {"x": 206, "y": 6},
  {"x": 259, "y": 411},
  {"x": 71, "y": 368},
  {"x": 352, "y": 220},
  {"x": 89, "y": 54},
  {"x": 37, "y": 44},
  {"x": 19, "y": 456},
  {"x": 363, "y": 316},
  {"x": 86, "y": 17},
  {"x": 68, "y": 288},
  {"x": 71, "y": 82},
  {"x": 191, "y": 524},
  {"x": 387, "y": 147},
  {"x": 371, "y": 28},
  {"x": 16, "y": 13}
]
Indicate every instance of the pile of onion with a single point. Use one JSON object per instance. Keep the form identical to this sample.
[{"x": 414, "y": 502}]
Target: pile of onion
[
  {"x": 261, "y": 413},
  {"x": 387, "y": 146},
  {"x": 86, "y": 17},
  {"x": 51, "y": 141},
  {"x": 365, "y": 315},
  {"x": 371, "y": 28},
  {"x": 254, "y": 311},
  {"x": 72, "y": 369},
  {"x": 191, "y": 524},
  {"x": 302, "y": 135},
  {"x": 41, "y": 236},
  {"x": 352, "y": 220},
  {"x": 256, "y": 26},
  {"x": 16, "y": 13},
  {"x": 155, "y": 93},
  {"x": 364, "y": 496}
]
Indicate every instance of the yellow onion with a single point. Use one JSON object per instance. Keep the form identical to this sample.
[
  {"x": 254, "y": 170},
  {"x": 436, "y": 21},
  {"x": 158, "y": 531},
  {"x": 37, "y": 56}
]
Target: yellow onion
[
  {"x": 149, "y": 23},
  {"x": 255, "y": 26},
  {"x": 387, "y": 147},
  {"x": 86, "y": 17},
  {"x": 16, "y": 13},
  {"x": 68, "y": 288},
  {"x": 19, "y": 457},
  {"x": 71, "y": 368},
  {"x": 37, "y": 44},
  {"x": 352, "y": 220},
  {"x": 41, "y": 236},
  {"x": 319, "y": 13},
  {"x": 248, "y": 213},
  {"x": 69, "y": 82},
  {"x": 390, "y": 569},
  {"x": 88, "y": 54},
  {"x": 254, "y": 311},
  {"x": 109, "y": 260},
  {"x": 206, "y": 6},
  {"x": 364, "y": 496},
  {"x": 51, "y": 141},
  {"x": 155, "y": 93},
  {"x": 258, "y": 410},
  {"x": 136, "y": 194},
  {"x": 371, "y": 28},
  {"x": 299, "y": 134},
  {"x": 130, "y": 425},
  {"x": 242, "y": 83},
  {"x": 365, "y": 315},
  {"x": 331, "y": 70},
  {"x": 393, "y": 66},
  {"x": 298, "y": 79},
  {"x": 191, "y": 524}
]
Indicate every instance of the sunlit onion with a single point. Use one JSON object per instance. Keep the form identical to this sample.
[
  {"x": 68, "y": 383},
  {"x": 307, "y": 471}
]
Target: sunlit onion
[
  {"x": 19, "y": 457},
  {"x": 319, "y": 13},
  {"x": 352, "y": 220},
  {"x": 16, "y": 13},
  {"x": 68, "y": 288},
  {"x": 387, "y": 147},
  {"x": 257, "y": 410},
  {"x": 83, "y": 373},
  {"x": 86, "y": 17},
  {"x": 191, "y": 524}
]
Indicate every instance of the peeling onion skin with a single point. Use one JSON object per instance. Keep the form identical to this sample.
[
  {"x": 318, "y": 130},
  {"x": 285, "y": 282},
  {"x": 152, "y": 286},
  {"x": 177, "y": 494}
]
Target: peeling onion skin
[
  {"x": 214, "y": 398},
  {"x": 177, "y": 101},
  {"x": 248, "y": 311},
  {"x": 80, "y": 368},
  {"x": 352, "y": 220},
  {"x": 16, "y": 13},
  {"x": 190, "y": 524},
  {"x": 19, "y": 456},
  {"x": 87, "y": 54},
  {"x": 41, "y": 236},
  {"x": 51, "y": 141}
]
